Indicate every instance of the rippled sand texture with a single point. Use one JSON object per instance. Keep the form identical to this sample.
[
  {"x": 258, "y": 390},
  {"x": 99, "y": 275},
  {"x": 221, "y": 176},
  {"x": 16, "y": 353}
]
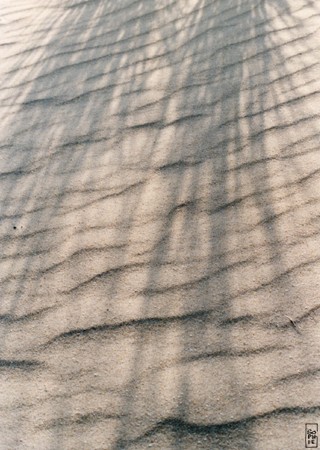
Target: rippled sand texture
[{"x": 160, "y": 219}]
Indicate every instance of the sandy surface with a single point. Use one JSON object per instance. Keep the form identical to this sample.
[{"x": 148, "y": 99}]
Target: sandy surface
[{"x": 159, "y": 227}]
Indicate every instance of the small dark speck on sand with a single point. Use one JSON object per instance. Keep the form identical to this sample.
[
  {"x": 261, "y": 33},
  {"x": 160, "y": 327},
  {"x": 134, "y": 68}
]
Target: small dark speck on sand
[{"x": 14, "y": 227}]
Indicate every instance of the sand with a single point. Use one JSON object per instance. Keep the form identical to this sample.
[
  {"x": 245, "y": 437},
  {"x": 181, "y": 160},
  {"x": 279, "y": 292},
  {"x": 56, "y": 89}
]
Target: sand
[{"x": 159, "y": 224}]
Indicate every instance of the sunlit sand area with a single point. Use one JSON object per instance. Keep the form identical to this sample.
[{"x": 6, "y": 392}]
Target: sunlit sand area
[{"x": 159, "y": 224}]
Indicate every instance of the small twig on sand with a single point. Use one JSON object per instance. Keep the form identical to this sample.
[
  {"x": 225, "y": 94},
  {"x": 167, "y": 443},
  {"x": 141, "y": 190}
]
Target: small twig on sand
[{"x": 294, "y": 324}]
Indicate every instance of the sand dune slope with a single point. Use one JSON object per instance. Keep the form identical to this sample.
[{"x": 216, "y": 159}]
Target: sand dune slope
[{"x": 159, "y": 224}]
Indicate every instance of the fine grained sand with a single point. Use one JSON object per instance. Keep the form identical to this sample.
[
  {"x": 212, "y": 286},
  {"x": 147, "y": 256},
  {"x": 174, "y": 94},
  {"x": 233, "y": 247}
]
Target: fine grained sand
[{"x": 160, "y": 218}]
